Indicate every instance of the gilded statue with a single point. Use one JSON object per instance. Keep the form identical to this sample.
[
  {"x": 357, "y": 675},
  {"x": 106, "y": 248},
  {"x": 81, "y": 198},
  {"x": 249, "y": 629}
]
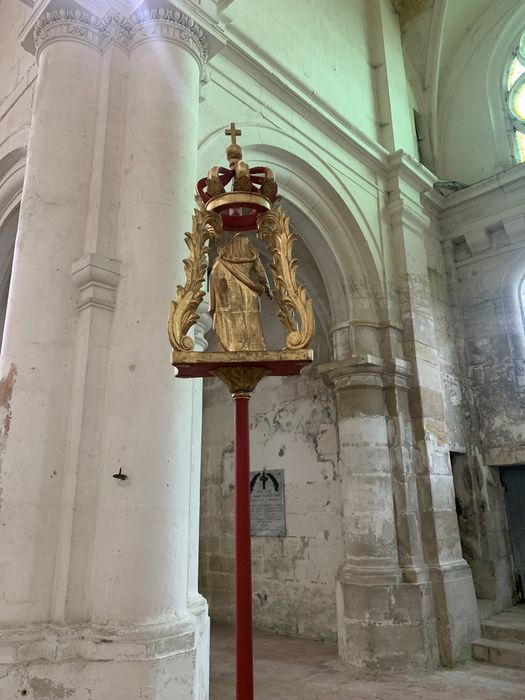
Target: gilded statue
[{"x": 237, "y": 280}]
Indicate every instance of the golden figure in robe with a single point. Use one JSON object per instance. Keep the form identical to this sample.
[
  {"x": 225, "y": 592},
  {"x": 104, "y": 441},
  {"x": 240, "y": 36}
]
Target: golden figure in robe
[{"x": 234, "y": 295}]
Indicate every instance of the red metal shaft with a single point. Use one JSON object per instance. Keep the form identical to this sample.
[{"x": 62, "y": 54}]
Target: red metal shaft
[{"x": 243, "y": 552}]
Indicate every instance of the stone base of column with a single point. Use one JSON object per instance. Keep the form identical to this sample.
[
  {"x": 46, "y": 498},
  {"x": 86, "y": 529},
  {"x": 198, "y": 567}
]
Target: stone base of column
[
  {"x": 386, "y": 625},
  {"x": 88, "y": 663},
  {"x": 456, "y": 610}
]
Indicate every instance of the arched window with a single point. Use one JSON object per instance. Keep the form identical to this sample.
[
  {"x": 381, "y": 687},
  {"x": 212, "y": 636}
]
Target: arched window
[{"x": 515, "y": 98}]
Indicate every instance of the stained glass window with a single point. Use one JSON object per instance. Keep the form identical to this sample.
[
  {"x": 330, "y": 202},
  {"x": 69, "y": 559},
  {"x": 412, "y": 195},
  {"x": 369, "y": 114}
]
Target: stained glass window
[{"x": 515, "y": 97}]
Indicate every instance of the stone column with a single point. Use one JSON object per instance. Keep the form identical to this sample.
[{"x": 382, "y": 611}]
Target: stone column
[
  {"x": 453, "y": 592},
  {"x": 143, "y": 529},
  {"x": 39, "y": 339},
  {"x": 382, "y": 616},
  {"x": 98, "y": 575},
  {"x": 149, "y": 414}
]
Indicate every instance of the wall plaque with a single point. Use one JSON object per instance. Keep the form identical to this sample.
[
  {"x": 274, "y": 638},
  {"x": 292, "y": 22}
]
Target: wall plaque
[{"x": 267, "y": 503}]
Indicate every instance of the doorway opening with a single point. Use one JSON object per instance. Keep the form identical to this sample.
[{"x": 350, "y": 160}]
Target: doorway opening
[
  {"x": 513, "y": 481},
  {"x": 465, "y": 509}
]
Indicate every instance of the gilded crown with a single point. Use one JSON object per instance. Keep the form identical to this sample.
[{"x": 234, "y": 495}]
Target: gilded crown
[{"x": 253, "y": 190}]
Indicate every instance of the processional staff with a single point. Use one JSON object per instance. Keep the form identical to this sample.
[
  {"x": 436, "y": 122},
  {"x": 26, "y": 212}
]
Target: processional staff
[{"x": 237, "y": 280}]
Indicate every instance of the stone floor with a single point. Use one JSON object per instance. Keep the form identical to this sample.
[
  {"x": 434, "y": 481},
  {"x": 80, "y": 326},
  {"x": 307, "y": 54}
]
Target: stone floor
[{"x": 288, "y": 669}]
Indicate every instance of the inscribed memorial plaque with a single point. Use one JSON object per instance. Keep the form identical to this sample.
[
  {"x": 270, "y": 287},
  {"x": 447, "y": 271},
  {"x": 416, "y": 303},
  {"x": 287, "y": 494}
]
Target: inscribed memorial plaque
[{"x": 267, "y": 503}]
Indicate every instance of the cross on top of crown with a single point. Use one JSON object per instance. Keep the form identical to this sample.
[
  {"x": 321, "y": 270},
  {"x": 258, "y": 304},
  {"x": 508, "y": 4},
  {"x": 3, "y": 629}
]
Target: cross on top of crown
[{"x": 233, "y": 132}]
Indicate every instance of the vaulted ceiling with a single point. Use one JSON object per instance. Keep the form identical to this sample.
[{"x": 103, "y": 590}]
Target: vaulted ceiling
[
  {"x": 439, "y": 39},
  {"x": 435, "y": 30}
]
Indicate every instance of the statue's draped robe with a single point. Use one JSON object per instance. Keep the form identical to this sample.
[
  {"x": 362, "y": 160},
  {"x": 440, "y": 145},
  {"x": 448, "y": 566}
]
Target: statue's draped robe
[{"x": 234, "y": 296}]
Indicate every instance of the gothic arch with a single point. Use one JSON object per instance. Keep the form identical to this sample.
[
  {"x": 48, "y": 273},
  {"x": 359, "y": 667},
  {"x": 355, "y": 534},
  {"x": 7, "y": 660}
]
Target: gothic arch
[
  {"x": 12, "y": 169},
  {"x": 512, "y": 290},
  {"x": 345, "y": 252},
  {"x": 472, "y": 125},
  {"x": 8, "y": 230},
  {"x": 498, "y": 62}
]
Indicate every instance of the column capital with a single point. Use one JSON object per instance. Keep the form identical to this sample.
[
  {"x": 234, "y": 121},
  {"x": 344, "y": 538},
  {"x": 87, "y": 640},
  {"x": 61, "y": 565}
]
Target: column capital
[
  {"x": 367, "y": 370},
  {"x": 356, "y": 370},
  {"x": 169, "y": 24},
  {"x": 119, "y": 22},
  {"x": 62, "y": 23}
]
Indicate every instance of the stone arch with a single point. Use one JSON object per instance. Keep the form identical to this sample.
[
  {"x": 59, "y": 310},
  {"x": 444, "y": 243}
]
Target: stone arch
[
  {"x": 12, "y": 169},
  {"x": 338, "y": 235},
  {"x": 512, "y": 291},
  {"x": 8, "y": 230},
  {"x": 474, "y": 132},
  {"x": 498, "y": 62}
]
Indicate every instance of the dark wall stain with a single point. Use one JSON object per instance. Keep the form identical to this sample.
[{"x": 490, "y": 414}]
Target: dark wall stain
[
  {"x": 408, "y": 10},
  {"x": 6, "y": 393}
]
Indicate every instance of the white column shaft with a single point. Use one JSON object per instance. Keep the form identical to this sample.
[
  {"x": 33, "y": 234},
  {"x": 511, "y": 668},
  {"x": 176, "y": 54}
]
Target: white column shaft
[
  {"x": 38, "y": 350},
  {"x": 142, "y": 535}
]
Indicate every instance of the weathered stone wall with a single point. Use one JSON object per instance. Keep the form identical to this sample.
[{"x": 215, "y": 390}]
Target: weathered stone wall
[
  {"x": 495, "y": 353},
  {"x": 480, "y": 505},
  {"x": 292, "y": 428},
  {"x": 496, "y": 416},
  {"x": 484, "y": 251},
  {"x": 447, "y": 346}
]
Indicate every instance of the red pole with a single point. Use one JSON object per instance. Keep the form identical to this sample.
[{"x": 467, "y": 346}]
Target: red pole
[{"x": 243, "y": 551}]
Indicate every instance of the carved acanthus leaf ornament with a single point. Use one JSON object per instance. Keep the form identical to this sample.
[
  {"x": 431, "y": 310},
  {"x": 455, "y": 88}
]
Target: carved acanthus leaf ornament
[
  {"x": 241, "y": 381},
  {"x": 169, "y": 23},
  {"x": 273, "y": 227},
  {"x": 145, "y": 24},
  {"x": 183, "y": 310}
]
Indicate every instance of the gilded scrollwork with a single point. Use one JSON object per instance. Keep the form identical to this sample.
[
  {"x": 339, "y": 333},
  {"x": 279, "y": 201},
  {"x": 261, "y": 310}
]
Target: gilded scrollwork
[
  {"x": 183, "y": 310},
  {"x": 293, "y": 302}
]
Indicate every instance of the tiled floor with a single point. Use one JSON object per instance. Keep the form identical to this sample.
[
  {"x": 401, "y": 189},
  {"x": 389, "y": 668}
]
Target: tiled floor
[{"x": 300, "y": 670}]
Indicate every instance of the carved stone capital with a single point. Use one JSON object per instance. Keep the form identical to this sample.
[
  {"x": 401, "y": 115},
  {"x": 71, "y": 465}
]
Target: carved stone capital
[
  {"x": 168, "y": 24},
  {"x": 100, "y": 30},
  {"x": 97, "y": 278},
  {"x": 357, "y": 370},
  {"x": 366, "y": 370},
  {"x": 117, "y": 29},
  {"x": 79, "y": 25}
]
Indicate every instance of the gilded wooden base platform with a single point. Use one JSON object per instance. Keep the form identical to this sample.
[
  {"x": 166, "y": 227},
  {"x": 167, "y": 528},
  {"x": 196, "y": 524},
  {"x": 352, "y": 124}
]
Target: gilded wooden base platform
[{"x": 240, "y": 371}]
